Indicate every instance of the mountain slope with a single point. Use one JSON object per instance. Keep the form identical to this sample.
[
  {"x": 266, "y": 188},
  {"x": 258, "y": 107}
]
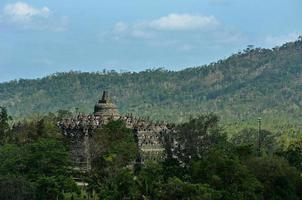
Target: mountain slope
[{"x": 256, "y": 82}]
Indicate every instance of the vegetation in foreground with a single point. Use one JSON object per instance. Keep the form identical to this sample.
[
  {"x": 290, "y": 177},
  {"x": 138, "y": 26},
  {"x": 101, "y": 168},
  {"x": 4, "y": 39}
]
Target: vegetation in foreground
[{"x": 206, "y": 165}]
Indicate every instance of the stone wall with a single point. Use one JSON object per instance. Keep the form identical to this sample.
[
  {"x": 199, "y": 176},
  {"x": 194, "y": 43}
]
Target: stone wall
[{"x": 78, "y": 130}]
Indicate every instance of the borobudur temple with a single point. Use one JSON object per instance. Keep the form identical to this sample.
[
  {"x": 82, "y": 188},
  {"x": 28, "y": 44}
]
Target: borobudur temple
[{"x": 79, "y": 129}]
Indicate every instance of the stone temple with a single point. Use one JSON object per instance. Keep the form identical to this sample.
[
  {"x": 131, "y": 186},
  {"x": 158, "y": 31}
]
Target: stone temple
[{"x": 79, "y": 129}]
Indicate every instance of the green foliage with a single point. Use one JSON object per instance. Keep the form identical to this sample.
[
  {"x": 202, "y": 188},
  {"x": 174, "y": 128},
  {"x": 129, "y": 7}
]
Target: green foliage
[
  {"x": 280, "y": 180},
  {"x": 293, "y": 154},
  {"x": 251, "y": 137},
  {"x": 219, "y": 171},
  {"x": 45, "y": 157},
  {"x": 235, "y": 172},
  {"x": 114, "y": 145},
  {"x": 197, "y": 137},
  {"x": 226, "y": 174},
  {"x": 4, "y": 125},
  {"x": 44, "y": 163},
  {"x": 149, "y": 180},
  {"x": 112, "y": 149},
  {"x": 54, "y": 187},
  {"x": 149, "y": 184},
  {"x": 16, "y": 188},
  {"x": 255, "y": 82},
  {"x": 122, "y": 186},
  {"x": 38, "y": 127},
  {"x": 201, "y": 164},
  {"x": 177, "y": 189}
]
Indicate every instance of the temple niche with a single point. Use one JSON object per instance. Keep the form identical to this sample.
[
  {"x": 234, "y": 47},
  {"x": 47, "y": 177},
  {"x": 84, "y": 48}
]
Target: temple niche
[{"x": 79, "y": 129}]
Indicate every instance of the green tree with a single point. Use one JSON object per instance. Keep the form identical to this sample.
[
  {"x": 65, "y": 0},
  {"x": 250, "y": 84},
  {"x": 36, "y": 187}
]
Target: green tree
[
  {"x": 179, "y": 190},
  {"x": 149, "y": 180},
  {"x": 112, "y": 149},
  {"x": 227, "y": 175},
  {"x": 250, "y": 137},
  {"x": 16, "y": 188},
  {"x": 4, "y": 125},
  {"x": 38, "y": 127},
  {"x": 280, "y": 180},
  {"x": 44, "y": 163},
  {"x": 121, "y": 186},
  {"x": 197, "y": 137},
  {"x": 293, "y": 154}
]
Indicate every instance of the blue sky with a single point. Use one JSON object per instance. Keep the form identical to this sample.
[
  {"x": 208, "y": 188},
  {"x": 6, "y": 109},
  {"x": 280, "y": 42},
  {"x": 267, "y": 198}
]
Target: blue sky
[{"x": 38, "y": 38}]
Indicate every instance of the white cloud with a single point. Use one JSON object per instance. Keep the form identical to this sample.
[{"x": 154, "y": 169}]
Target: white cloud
[
  {"x": 272, "y": 41},
  {"x": 143, "y": 34},
  {"x": 25, "y": 16},
  {"x": 183, "y": 22},
  {"x": 150, "y": 30},
  {"x": 120, "y": 27},
  {"x": 125, "y": 30},
  {"x": 183, "y": 32},
  {"x": 186, "y": 47},
  {"x": 22, "y": 12}
]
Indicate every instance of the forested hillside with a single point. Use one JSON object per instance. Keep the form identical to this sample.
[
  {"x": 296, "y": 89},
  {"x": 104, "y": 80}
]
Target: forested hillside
[{"x": 252, "y": 83}]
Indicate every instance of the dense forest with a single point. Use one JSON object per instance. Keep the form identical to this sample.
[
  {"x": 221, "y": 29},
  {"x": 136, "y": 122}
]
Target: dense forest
[
  {"x": 253, "y": 83},
  {"x": 205, "y": 165}
]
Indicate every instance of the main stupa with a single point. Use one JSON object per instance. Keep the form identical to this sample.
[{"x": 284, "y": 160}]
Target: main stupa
[{"x": 106, "y": 109}]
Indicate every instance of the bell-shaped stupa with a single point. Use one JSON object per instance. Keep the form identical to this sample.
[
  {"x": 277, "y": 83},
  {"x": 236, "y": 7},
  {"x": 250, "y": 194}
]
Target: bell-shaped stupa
[{"x": 105, "y": 109}]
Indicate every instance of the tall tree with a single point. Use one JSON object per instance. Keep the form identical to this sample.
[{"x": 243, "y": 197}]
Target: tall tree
[
  {"x": 196, "y": 137},
  {"x": 112, "y": 149},
  {"x": 4, "y": 125}
]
